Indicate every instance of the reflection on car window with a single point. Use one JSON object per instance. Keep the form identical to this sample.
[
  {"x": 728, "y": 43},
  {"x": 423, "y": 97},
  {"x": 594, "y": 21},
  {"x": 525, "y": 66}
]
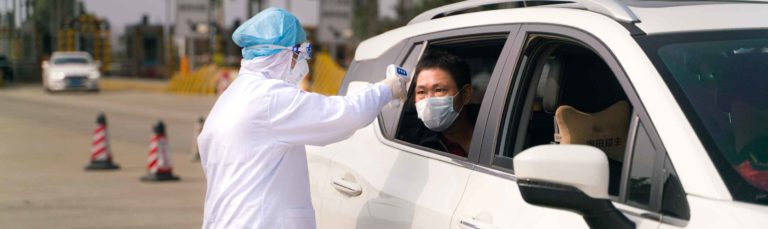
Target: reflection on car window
[
  {"x": 673, "y": 201},
  {"x": 446, "y": 93},
  {"x": 641, "y": 172},
  {"x": 722, "y": 82}
]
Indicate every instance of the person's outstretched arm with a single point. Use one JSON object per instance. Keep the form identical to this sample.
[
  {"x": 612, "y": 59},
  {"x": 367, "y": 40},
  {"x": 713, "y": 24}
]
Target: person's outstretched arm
[{"x": 298, "y": 117}]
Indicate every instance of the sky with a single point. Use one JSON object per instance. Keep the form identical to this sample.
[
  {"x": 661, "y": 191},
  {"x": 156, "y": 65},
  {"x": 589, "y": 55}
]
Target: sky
[{"x": 121, "y": 13}]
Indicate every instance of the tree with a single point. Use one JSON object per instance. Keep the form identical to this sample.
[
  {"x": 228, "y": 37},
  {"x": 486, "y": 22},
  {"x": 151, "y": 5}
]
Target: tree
[{"x": 366, "y": 22}]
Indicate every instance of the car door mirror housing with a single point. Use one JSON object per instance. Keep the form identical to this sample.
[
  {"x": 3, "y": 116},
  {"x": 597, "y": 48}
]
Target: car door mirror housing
[
  {"x": 579, "y": 166},
  {"x": 569, "y": 177}
]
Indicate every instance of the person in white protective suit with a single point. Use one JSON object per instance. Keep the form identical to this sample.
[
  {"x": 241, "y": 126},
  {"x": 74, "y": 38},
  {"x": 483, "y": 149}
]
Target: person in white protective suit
[{"x": 252, "y": 145}]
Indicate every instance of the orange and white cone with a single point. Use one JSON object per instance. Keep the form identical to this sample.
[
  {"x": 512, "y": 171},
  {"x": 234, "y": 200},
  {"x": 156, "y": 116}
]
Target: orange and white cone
[
  {"x": 101, "y": 154},
  {"x": 159, "y": 161},
  {"x": 197, "y": 131}
]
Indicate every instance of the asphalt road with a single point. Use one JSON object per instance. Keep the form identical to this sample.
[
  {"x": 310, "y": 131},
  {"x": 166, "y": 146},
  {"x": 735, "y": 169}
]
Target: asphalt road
[{"x": 45, "y": 143}]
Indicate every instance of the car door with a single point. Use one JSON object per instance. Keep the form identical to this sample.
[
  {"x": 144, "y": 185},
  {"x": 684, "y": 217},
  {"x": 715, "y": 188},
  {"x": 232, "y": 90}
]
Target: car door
[
  {"x": 520, "y": 119},
  {"x": 326, "y": 199},
  {"x": 380, "y": 179}
]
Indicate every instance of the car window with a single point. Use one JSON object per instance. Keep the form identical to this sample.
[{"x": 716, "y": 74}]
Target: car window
[
  {"x": 70, "y": 60},
  {"x": 673, "y": 200},
  {"x": 571, "y": 97},
  {"x": 390, "y": 112},
  {"x": 464, "y": 63},
  {"x": 718, "y": 79},
  {"x": 568, "y": 95},
  {"x": 564, "y": 92},
  {"x": 640, "y": 183}
]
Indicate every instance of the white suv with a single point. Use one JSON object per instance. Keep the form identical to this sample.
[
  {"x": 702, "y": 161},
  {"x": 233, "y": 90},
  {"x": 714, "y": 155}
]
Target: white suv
[{"x": 587, "y": 113}]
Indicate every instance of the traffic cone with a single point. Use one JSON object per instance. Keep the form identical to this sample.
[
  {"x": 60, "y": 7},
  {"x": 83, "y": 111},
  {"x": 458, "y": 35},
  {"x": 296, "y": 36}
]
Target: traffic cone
[
  {"x": 198, "y": 129},
  {"x": 101, "y": 154},
  {"x": 159, "y": 162}
]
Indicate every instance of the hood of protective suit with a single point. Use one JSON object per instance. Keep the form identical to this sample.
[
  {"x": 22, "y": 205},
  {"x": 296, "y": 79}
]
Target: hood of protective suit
[
  {"x": 277, "y": 66},
  {"x": 272, "y": 26}
]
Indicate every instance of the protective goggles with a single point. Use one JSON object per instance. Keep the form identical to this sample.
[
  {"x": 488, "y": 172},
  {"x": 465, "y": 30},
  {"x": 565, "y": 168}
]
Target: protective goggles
[{"x": 303, "y": 50}]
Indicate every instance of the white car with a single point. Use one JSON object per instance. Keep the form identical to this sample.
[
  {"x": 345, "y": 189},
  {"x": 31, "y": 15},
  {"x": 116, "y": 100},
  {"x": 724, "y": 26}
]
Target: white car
[
  {"x": 660, "y": 108},
  {"x": 71, "y": 71}
]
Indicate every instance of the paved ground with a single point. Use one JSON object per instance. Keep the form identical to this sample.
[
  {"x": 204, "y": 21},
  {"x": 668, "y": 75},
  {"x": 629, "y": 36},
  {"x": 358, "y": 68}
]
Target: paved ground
[{"x": 45, "y": 142}]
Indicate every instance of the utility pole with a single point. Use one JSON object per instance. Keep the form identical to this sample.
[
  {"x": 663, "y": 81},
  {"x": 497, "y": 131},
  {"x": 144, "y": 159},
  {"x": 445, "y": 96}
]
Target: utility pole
[
  {"x": 212, "y": 28},
  {"x": 288, "y": 5},
  {"x": 167, "y": 38}
]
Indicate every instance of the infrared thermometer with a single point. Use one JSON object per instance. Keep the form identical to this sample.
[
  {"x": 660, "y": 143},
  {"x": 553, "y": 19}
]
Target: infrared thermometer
[
  {"x": 394, "y": 70},
  {"x": 397, "y": 71}
]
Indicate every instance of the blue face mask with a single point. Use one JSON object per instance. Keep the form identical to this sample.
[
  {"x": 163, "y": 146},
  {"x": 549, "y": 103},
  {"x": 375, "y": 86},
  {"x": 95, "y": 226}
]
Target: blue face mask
[{"x": 437, "y": 113}]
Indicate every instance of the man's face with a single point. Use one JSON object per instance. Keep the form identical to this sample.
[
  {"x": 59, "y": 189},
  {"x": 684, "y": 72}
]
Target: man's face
[{"x": 434, "y": 82}]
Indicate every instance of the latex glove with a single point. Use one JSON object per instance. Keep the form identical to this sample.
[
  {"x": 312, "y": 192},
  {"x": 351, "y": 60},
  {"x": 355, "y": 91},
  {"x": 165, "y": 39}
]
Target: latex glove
[{"x": 396, "y": 85}]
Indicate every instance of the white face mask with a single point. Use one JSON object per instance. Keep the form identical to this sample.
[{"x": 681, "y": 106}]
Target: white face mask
[
  {"x": 298, "y": 72},
  {"x": 437, "y": 112}
]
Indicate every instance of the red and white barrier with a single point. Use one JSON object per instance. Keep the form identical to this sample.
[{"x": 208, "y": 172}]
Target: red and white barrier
[
  {"x": 159, "y": 160},
  {"x": 101, "y": 155}
]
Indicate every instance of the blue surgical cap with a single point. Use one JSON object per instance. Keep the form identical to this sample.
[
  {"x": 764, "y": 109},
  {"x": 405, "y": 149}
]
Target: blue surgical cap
[{"x": 272, "y": 26}]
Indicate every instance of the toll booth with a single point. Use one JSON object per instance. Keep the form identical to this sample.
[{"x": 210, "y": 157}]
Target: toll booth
[
  {"x": 90, "y": 34},
  {"x": 145, "y": 50}
]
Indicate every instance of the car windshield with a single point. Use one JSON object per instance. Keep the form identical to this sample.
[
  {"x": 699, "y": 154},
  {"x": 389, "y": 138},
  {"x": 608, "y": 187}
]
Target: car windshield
[
  {"x": 70, "y": 60},
  {"x": 721, "y": 81}
]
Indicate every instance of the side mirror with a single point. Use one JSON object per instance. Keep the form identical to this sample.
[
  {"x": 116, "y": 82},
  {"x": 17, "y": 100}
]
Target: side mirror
[
  {"x": 569, "y": 177},
  {"x": 45, "y": 64}
]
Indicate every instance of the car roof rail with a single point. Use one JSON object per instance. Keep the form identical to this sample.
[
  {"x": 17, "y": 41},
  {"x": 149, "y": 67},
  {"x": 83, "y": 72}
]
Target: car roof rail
[{"x": 612, "y": 8}]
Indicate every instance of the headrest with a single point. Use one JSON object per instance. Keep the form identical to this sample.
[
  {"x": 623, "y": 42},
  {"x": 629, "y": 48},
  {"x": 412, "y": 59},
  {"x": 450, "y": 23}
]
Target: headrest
[
  {"x": 479, "y": 86},
  {"x": 549, "y": 84},
  {"x": 606, "y": 129}
]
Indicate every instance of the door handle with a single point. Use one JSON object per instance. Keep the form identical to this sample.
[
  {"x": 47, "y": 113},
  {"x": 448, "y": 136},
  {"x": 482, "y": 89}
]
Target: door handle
[
  {"x": 346, "y": 187},
  {"x": 472, "y": 223}
]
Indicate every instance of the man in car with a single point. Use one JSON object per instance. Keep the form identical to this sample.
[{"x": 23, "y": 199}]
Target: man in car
[{"x": 443, "y": 91}]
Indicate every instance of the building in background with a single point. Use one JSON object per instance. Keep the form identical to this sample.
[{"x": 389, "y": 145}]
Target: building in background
[
  {"x": 334, "y": 30},
  {"x": 191, "y": 34},
  {"x": 38, "y": 28},
  {"x": 86, "y": 33},
  {"x": 193, "y": 20},
  {"x": 145, "y": 50}
]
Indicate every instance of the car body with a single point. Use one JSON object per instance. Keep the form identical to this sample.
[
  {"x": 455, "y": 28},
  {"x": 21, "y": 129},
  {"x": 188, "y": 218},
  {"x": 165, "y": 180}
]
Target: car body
[
  {"x": 682, "y": 152},
  {"x": 71, "y": 71}
]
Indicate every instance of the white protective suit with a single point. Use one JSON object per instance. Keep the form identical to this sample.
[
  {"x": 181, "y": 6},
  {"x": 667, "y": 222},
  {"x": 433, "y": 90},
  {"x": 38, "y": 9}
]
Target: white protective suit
[{"x": 252, "y": 144}]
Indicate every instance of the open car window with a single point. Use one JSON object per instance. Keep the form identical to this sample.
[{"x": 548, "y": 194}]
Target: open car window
[{"x": 480, "y": 54}]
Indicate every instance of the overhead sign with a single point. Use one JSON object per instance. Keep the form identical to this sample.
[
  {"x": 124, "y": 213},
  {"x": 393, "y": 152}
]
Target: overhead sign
[{"x": 189, "y": 14}]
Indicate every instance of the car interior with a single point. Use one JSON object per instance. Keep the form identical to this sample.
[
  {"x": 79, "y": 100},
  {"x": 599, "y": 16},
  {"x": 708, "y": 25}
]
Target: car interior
[
  {"x": 574, "y": 98},
  {"x": 481, "y": 54}
]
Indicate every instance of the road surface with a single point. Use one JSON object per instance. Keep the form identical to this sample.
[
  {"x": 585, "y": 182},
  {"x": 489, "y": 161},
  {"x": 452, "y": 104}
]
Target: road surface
[{"x": 45, "y": 143}]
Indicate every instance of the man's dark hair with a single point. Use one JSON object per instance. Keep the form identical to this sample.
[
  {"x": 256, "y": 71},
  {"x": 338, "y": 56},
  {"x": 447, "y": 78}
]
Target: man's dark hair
[{"x": 454, "y": 65}]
